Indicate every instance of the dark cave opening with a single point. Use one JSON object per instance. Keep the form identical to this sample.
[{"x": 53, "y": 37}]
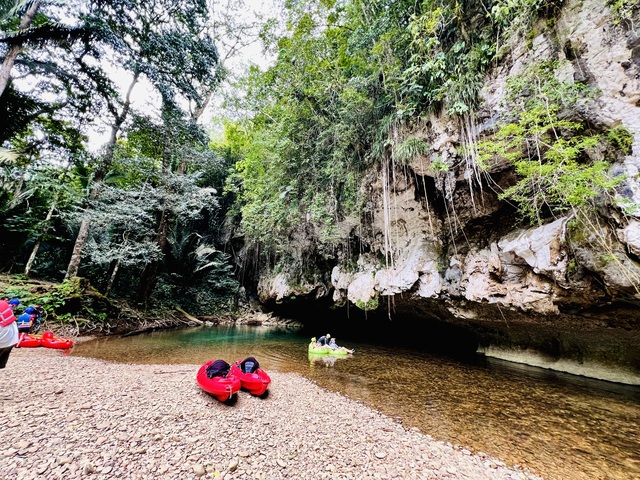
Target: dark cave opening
[{"x": 427, "y": 334}]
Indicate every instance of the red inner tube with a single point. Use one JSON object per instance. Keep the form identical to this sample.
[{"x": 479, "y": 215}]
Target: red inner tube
[
  {"x": 29, "y": 341},
  {"x": 49, "y": 340}
]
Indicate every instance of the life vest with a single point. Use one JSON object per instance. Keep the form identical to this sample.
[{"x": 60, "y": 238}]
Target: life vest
[
  {"x": 219, "y": 368},
  {"x": 249, "y": 365},
  {"x": 25, "y": 320},
  {"x": 6, "y": 314}
]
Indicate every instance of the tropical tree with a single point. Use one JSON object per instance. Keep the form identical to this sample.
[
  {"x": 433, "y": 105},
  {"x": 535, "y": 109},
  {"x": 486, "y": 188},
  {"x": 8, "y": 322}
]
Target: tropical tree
[
  {"x": 175, "y": 151},
  {"x": 315, "y": 113},
  {"x": 40, "y": 196},
  {"x": 122, "y": 230},
  {"x": 33, "y": 23},
  {"x": 166, "y": 41}
]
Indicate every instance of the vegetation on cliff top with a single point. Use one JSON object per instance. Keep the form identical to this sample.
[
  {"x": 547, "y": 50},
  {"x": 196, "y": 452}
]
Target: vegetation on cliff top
[
  {"x": 353, "y": 88},
  {"x": 562, "y": 163}
]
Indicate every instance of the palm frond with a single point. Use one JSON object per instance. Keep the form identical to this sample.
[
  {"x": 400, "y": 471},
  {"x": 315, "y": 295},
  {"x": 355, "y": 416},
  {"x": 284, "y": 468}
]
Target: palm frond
[
  {"x": 50, "y": 33},
  {"x": 7, "y": 155},
  {"x": 17, "y": 9},
  {"x": 203, "y": 251}
]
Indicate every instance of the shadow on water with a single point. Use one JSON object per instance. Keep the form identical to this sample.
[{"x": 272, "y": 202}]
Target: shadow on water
[{"x": 558, "y": 425}]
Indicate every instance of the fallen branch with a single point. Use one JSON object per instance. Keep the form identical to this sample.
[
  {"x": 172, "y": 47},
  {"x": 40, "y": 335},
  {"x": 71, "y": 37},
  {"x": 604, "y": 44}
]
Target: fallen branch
[{"x": 189, "y": 317}]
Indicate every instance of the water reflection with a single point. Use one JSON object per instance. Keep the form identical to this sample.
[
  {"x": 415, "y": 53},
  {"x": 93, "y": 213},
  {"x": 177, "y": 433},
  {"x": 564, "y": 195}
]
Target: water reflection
[
  {"x": 318, "y": 359},
  {"x": 561, "y": 426}
]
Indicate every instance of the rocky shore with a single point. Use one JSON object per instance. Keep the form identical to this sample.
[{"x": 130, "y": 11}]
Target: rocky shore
[{"x": 69, "y": 417}]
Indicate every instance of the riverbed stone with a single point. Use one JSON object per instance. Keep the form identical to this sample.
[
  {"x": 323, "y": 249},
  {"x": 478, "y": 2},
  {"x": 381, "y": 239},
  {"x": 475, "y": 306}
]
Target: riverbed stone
[{"x": 178, "y": 431}]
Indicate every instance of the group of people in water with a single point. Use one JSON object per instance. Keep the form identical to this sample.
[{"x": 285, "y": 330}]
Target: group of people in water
[{"x": 328, "y": 341}]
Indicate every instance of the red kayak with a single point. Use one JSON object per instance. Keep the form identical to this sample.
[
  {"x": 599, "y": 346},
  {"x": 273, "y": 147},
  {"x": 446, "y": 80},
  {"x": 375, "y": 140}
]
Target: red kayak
[
  {"x": 252, "y": 378},
  {"x": 29, "y": 341},
  {"x": 49, "y": 340},
  {"x": 216, "y": 378}
]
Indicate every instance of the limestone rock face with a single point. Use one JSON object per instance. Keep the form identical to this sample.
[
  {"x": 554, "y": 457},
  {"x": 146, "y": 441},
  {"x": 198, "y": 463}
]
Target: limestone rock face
[
  {"x": 280, "y": 287},
  {"x": 277, "y": 285},
  {"x": 630, "y": 236},
  {"x": 362, "y": 289},
  {"x": 439, "y": 238}
]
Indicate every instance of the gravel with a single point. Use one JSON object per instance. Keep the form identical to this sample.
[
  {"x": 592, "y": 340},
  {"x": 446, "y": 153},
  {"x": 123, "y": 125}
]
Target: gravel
[{"x": 71, "y": 417}]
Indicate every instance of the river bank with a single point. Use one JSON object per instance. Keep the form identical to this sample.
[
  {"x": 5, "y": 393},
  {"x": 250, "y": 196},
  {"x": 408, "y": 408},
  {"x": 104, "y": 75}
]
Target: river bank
[{"x": 69, "y": 417}]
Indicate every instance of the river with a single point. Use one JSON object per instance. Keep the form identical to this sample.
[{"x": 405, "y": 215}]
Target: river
[{"x": 560, "y": 426}]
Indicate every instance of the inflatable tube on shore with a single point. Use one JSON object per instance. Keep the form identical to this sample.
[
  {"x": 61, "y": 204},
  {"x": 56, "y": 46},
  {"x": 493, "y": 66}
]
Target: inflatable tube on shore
[
  {"x": 49, "y": 340},
  {"x": 29, "y": 341}
]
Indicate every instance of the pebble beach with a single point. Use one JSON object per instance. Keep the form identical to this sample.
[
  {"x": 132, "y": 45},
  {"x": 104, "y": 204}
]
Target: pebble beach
[{"x": 67, "y": 417}]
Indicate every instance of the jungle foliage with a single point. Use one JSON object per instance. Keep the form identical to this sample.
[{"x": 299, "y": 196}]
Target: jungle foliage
[
  {"x": 561, "y": 162},
  {"x": 149, "y": 198},
  {"x": 352, "y": 85}
]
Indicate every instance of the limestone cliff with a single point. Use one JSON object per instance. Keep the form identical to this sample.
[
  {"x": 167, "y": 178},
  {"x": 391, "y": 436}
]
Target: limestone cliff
[{"x": 439, "y": 244}]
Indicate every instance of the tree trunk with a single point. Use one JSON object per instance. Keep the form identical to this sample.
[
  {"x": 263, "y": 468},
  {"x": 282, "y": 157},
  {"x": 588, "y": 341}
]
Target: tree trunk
[
  {"x": 34, "y": 252},
  {"x": 15, "y": 49},
  {"x": 149, "y": 276},
  {"x": 83, "y": 233},
  {"x": 76, "y": 255},
  {"x": 32, "y": 257},
  {"x": 17, "y": 192},
  {"x": 112, "y": 278}
]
